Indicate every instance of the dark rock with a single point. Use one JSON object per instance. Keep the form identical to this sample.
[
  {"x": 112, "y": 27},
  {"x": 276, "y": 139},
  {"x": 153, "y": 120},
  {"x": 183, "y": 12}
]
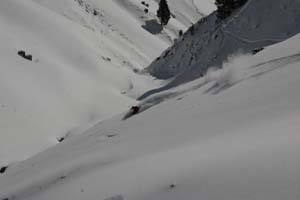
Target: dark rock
[
  {"x": 61, "y": 139},
  {"x": 3, "y": 169},
  {"x": 22, "y": 53},
  {"x": 28, "y": 57}
]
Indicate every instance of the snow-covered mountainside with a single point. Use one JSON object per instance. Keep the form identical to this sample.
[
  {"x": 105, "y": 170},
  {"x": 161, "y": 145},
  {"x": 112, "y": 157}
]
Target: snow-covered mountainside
[
  {"x": 226, "y": 125},
  {"x": 209, "y": 43},
  {"x": 232, "y": 134},
  {"x": 83, "y": 58}
]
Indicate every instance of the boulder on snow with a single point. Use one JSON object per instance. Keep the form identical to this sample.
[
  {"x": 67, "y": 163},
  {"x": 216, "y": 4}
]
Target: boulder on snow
[
  {"x": 23, "y": 54},
  {"x": 28, "y": 57},
  {"x": 61, "y": 139},
  {"x": 3, "y": 169}
]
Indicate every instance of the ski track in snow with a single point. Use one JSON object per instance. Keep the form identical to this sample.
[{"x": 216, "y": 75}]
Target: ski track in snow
[{"x": 216, "y": 88}]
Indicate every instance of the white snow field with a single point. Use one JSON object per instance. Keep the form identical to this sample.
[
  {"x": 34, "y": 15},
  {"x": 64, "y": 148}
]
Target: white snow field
[
  {"x": 86, "y": 55},
  {"x": 233, "y": 134}
]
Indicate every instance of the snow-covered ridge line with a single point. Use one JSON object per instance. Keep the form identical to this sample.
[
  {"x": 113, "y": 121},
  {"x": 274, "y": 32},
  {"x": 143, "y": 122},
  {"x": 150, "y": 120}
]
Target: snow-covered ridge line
[{"x": 209, "y": 44}]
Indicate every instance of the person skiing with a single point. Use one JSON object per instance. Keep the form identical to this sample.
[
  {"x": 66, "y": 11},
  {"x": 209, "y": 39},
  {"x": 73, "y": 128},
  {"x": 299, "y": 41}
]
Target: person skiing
[{"x": 135, "y": 110}]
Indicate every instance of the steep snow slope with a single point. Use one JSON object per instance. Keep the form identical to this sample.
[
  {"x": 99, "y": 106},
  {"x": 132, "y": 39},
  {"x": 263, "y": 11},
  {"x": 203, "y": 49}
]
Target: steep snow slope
[
  {"x": 233, "y": 134},
  {"x": 85, "y": 55},
  {"x": 256, "y": 25},
  {"x": 125, "y": 22}
]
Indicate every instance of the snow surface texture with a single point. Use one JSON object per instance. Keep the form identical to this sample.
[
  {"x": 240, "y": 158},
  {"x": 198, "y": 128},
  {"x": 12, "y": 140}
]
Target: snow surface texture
[
  {"x": 233, "y": 134},
  {"x": 85, "y": 57},
  {"x": 210, "y": 43}
]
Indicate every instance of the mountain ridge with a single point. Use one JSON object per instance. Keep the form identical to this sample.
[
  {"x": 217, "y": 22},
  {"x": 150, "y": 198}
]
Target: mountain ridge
[{"x": 212, "y": 42}]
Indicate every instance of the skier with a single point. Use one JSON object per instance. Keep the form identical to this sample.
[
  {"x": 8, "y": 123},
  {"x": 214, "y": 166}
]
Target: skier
[{"x": 135, "y": 110}]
